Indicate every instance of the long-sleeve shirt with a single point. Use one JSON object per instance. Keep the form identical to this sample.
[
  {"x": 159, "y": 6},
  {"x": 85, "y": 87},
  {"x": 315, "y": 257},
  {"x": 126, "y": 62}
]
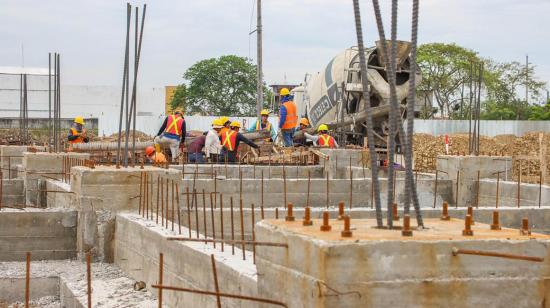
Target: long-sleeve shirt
[
  {"x": 183, "y": 129},
  {"x": 283, "y": 111},
  {"x": 242, "y": 138},
  {"x": 197, "y": 144},
  {"x": 315, "y": 139},
  {"x": 212, "y": 143}
]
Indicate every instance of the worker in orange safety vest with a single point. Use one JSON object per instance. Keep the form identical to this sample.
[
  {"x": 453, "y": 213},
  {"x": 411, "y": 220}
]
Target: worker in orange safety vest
[
  {"x": 230, "y": 140},
  {"x": 172, "y": 133},
  {"x": 154, "y": 156},
  {"x": 288, "y": 116},
  {"x": 77, "y": 133}
]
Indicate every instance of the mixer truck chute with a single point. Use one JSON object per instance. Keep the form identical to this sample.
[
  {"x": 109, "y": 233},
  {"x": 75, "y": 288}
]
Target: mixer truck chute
[{"x": 334, "y": 96}]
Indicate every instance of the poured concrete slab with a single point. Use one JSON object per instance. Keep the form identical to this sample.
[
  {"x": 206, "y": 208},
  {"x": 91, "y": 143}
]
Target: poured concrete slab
[{"x": 378, "y": 267}]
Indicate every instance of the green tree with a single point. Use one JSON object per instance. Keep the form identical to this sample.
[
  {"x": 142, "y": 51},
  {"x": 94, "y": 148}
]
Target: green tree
[
  {"x": 507, "y": 84},
  {"x": 539, "y": 113},
  {"x": 445, "y": 72},
  {"x": 222, "y": 86},
  {"x": 179, "y": 97}
]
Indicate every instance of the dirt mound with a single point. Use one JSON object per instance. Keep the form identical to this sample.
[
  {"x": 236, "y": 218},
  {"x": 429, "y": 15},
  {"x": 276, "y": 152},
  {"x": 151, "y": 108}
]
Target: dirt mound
[{"x": 525, "y": 151}]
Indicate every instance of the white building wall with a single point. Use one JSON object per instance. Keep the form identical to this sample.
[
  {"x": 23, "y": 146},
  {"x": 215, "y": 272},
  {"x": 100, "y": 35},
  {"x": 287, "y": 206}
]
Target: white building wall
[{"x": 102, "y": 102}]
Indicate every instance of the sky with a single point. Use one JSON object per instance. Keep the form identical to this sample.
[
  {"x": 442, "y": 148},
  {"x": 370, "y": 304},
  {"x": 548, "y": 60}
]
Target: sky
[{"x": 300, "y": 36}]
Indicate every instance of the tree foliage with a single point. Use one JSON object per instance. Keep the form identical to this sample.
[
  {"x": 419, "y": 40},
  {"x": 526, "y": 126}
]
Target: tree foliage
[
  {"x": 179, "y": 97},
  {"x": 446, "y": 74},
  {"x": 221, "y": 86}
]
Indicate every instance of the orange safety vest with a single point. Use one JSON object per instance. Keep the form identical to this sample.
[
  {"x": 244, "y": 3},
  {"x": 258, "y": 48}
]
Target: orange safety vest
[
  {"x": 174, "y": 124},
  {"x": 291, "y": 115},
  {"x": 223, "y": 130},
  {"x": 74, "y": 132},
  {"x": 158, "y": 158},
  {"x": 326, "y": 141},
  {"x": 259, "y": 125},
  {"x": 229, "y": 140}
]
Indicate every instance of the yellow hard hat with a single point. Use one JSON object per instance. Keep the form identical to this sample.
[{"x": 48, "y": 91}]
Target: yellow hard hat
[
  {"x": 79, "y": 120},
  {"x": 304, "y": 121},
  {"x": 235, "y": 124},
  {"x": 217, "y": 123},
  {"x": 224, "y": 120},
  {"x": 284, "y": 92},
  {"x": 265, "y": 112},
  {"x": 322, "y": 127}
]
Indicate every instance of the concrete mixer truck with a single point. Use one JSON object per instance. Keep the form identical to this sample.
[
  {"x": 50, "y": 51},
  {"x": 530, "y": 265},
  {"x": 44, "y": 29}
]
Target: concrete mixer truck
[{"x": 334, "y": 96}]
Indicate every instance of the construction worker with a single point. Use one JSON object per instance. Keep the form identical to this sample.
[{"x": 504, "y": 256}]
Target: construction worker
[
  {"x": 212, "y": 143},
  {"x": 230, "y": 141},
  {"x": 262, "y": 124},
  {"x": 172, "y": 133},
  {"x": 154, "y": 156},
  {"x": 288, "y": 118},
  {"x": 77, "y": 133},
  {"x": 225, "y": 125},
  {"x": 303, "y": 141},
  {"x": 235, "y": 125},
  {"x": 194, "y": 150},
  {"x": 323, "y": 139}
]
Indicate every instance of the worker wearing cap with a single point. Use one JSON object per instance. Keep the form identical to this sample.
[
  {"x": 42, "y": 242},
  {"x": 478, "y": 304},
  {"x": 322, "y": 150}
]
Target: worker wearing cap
[
  {"x": 172, "y": 133},
  {"x": 323, "y": 139},
  {"x": 288, "y": 117},
  {"x": 263, "y": 124},
  {"x": 77, "y": 133},
  {"x": 154, "y": 156},
  {"x": 212, "y": 144},
  {"x": 303, "y": 141},
  {"x": 230, "y": 141}
]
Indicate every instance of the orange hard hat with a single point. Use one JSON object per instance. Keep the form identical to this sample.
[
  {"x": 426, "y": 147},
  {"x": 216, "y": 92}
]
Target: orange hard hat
[
  {"x": 304, "y": 121},
  {"x": 149, "y": 150}
]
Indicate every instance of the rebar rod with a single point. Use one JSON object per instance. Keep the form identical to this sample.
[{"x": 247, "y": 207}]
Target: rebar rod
[
  {"x": 369, "y": 120},
  {"x": 124, "y": 82}
]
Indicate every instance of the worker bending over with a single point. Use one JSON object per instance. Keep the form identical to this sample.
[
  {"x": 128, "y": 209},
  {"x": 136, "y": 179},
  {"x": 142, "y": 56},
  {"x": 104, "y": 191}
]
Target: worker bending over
[
  {"x": 212, "y": 143},
  {"x": 263, "y": 124},
  {"x": 194, "y": 150},
  {"x": 77, "y": 133},
  {"x": 154, "y": 156},
  {"x": 288, "y": 117},
  {"x": 172, "y": 133},
  {"x": 303, "y": 141},
  {"x": 323, "y": 139},
  {"x": 230, "y": 141}
]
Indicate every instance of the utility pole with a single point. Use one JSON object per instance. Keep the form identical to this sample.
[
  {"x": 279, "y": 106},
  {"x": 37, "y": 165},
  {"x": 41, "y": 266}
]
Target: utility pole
[{"x": 260, "y": 88}]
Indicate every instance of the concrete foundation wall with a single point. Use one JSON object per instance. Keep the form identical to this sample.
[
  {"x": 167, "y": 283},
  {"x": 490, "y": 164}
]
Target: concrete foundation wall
[
  {"x": 339, "y": 190},
  {"x": 59, "y": 195},
  {"x": 137, "y": 248},
  {"x": 13, "y": 192},
  {"x": 466, "y": 168},
  {"x": 249, "y": 172},
  {"x": 508, "y": 193},
  {"x": 318, "y": 273},
  {"x": 46, "y": 234},
  {"x": 99, "y": 194},
  {"x": 41, "y": 166}
]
